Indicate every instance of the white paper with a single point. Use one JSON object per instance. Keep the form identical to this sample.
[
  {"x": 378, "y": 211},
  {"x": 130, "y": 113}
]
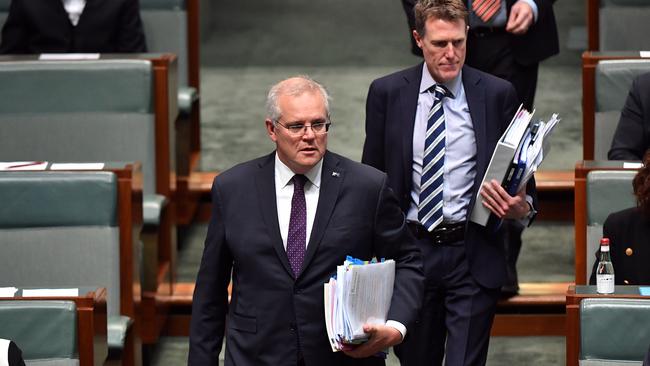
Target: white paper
[
  {"x": 628, "y": 165},
  {"x": 51, "y": 292},
  {"x": 23, "y": 165},
  {"x": 644, "y": 54},
  {"x": 68, "y": 56},
  {"x": 8, "y": 291},
  {"x": 360, "y": 294},
  {"x": 77, "y": 166}
]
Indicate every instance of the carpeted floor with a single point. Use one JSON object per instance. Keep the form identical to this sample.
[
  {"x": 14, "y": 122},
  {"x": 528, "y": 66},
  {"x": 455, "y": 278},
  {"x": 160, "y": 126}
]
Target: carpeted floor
[{"x": 346, "y": 44}]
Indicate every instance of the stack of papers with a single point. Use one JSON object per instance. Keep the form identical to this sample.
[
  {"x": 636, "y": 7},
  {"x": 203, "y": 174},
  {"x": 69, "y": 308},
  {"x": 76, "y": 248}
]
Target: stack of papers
[
  {"x": 23, "y": 165},
  {"x": 518, "y": 154},
  {"x": 360, "y": 294}
]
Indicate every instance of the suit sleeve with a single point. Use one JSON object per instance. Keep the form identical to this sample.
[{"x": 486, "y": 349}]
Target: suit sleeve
[
  {"x": 131, "y": 37},
  {"x": 393, "y": 240},
  {"x": 14, "y": 31},
  {"x": 210, "y": 302},
  {"x": 629, "y": 142},
  {"x": 373, "y": 147},
  {"x": 15, "y": 355}
]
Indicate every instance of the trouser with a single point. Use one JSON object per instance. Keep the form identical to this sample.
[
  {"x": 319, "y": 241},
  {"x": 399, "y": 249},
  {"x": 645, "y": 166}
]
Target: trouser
[{"x": 457, "y": 313}]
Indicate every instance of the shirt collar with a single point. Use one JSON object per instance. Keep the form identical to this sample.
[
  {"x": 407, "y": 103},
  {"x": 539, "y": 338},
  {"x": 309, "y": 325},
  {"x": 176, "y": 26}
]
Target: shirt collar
[
  {"x": 283, "y": 174},
  {"x": 427, "y": 81}
]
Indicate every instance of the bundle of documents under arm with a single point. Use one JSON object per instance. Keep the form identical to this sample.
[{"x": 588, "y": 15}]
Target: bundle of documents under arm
[
  {"x": 518, "y": 154},
  {"x": 359, "y": 294}
]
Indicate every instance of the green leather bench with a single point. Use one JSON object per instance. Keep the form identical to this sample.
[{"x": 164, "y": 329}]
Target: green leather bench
[
  {"x": 614, "y": 331},
  {"x": 64, "y": 229}
]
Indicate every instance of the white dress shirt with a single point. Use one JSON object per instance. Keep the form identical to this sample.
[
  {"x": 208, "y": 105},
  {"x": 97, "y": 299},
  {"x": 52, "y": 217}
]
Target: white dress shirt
[
  {"x": 74, "y": 8},
  {"x": 460, "y": 150},
  {"x": 283, "y": 196}
]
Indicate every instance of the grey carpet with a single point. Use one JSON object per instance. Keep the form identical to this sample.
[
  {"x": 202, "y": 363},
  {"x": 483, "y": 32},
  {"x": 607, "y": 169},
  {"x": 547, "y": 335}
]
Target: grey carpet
[{"x": 345, "y": 45}]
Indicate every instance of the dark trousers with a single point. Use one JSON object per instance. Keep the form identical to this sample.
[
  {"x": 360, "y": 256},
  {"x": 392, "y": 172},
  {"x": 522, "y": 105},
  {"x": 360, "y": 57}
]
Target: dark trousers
[{"x": 457, "y": 312}]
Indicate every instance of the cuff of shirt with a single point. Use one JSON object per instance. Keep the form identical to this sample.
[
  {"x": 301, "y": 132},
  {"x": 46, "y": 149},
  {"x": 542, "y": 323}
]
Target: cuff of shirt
[
  {"x": 525, "y": 221},
  {"x": 534, "y": 7},
  {"x": 397, "y": 325}
]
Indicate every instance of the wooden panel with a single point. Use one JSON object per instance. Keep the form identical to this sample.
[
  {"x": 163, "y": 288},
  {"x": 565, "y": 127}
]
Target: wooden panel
[{"x": 593, "y": 25}]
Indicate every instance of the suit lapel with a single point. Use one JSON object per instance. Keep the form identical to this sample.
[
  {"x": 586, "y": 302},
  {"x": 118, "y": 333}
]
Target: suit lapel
[
  {"x": 475, "y": 94},
  {"x": 265, "y": 184},
  {"x": 409, "y": 94},
  {"x": 331, "y": 180}
]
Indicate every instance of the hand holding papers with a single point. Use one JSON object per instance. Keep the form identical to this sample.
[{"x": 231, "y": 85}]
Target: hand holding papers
[
  {"x": 516, "y": 157},
  {"x": 360, "y": 294}
]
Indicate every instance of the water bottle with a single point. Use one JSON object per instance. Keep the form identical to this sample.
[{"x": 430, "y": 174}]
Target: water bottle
[{"x": 605, "y": 270}]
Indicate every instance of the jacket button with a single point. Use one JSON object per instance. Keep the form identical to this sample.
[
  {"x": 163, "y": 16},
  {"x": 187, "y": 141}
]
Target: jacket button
[
  {"x": 292, "y": 327},
  {"x": 629, "y": 251},
  {"x": 626, "y": 282}
]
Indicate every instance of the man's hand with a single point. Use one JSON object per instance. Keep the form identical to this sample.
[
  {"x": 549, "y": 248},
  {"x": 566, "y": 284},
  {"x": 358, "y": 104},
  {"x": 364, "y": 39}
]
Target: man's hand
[
  {"x": 520, "y": 18},
  {"x": 503, "y": 205},
  {"x": 381, "y": 337}
]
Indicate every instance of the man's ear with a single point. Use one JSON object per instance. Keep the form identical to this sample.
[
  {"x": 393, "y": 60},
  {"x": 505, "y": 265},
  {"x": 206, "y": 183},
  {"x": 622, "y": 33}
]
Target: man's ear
[
  {"x": 417, "y": 38},
  {"x": 270, "y": 129}
]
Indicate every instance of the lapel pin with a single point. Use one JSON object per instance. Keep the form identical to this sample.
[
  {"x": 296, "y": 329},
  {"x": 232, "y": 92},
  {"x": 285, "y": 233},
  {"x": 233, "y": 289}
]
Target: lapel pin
[{"x": 336, "y": 174}]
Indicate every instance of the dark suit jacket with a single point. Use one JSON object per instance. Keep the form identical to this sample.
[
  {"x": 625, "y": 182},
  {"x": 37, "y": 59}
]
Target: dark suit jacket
[
  {"x": 627, "y": 229},
  {"x": 632, "y": 136},
  {"x": 43, "y": 26},
  {"x": 270, "y": 311},
  {"x": 390, "y": 117},
  {"x": 541, "y": 40}
]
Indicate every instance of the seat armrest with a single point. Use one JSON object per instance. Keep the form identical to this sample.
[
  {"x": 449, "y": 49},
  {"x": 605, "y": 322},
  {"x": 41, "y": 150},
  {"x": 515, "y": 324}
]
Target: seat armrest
[
  {"x": 187, "y": 95},
  {"x": 118, "y": 327},
  {"x": 152, "y": 207}
]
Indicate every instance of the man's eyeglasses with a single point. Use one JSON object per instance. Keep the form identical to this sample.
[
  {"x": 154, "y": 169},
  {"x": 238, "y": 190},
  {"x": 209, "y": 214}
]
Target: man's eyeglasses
[{"x": 299, "y": 129}]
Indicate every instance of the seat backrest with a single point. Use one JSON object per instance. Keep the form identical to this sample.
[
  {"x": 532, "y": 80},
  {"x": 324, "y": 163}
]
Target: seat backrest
[
  {"x": 4, "y": 11},
  {"x": 623, "y": 25},
  {"x": 613, "y": 80},
  {"x": 165, "y": 27},
  {"x": 614, "y": 331},
  {"x": 607, "y": 191},
  {"x": 44, "y": 330},
  {"x": 79, "y": 111},
  {"x": 60, "y": 229}
]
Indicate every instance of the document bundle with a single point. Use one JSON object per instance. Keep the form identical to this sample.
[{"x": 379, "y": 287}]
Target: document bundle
[
  {"x": 359, "y": 294},
  {"x": 518, "y": 154}
]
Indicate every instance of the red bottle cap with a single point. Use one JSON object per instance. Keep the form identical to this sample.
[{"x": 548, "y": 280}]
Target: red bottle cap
[{"x": 604, "y": 241}]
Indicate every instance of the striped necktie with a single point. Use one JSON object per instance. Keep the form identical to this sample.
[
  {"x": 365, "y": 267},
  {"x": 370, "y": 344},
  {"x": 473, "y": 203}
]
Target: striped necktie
[
  {"x": 430, "y": 206},
  {"x": 486, "y": 9}
]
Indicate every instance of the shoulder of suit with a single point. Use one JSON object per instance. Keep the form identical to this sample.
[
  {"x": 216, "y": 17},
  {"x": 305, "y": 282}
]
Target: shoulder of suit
[
  {"x": 245, "y": 169},
  {"x": 398, "y": 77},
  {"x": 357, "y": 169}
]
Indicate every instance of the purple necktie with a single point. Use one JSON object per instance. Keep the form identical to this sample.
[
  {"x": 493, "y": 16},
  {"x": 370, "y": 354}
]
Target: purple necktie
[{"x": 297, "y": 225}]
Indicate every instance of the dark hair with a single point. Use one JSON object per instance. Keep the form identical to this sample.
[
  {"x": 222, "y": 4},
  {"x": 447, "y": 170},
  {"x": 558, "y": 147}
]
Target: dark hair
[
  {"x": 449, "y": 10},
  {"x": 641, "y": 184}
]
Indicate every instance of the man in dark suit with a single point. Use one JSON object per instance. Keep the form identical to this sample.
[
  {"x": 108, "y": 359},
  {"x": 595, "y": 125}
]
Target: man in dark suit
[
  {"x": 632, "y": 136},
  {"x": 280, "y": 225},
  {"x": 73, "y": 26},
  {"x": 432, "y": 128},
  {"x": 509, "y": 41}
]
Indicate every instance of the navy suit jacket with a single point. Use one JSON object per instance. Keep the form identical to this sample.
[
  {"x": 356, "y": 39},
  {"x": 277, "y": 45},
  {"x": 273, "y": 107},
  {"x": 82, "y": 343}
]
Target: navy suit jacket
[
  {"x": 632, "y": 136},
  {"x": 43, "y": 26},
  {"x": 271, "y": 313},
  {"x": 390, "y": 117}
]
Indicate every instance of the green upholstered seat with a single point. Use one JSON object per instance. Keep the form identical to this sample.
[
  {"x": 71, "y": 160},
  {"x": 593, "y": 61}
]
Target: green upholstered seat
[
  {"x": 46, "y": 331},
  {"x": 613, "y": 81},
  {"x": 607, "y": 191},
  {"x": 59, "y": 229},
  {"x": 614, "y": 331}
]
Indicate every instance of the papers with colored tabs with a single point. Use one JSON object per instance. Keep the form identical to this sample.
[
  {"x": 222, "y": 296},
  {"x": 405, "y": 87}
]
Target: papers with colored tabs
[
  {"x": 360, "y": 294},
  {"x": 23, "y": 165}
]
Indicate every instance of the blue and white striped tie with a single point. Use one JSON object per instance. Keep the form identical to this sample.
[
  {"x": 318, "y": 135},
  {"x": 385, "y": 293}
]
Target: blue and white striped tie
[{"x": 430, "y": 206}]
